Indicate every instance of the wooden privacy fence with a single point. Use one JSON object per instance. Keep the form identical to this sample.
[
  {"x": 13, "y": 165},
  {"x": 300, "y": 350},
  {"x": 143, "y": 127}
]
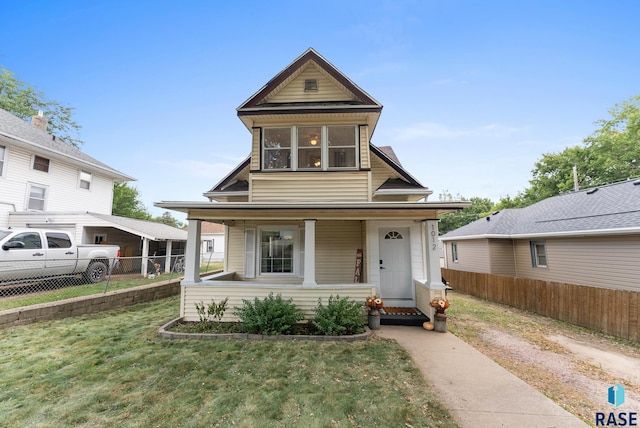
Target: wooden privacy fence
[{"x": 614, "y": 312}]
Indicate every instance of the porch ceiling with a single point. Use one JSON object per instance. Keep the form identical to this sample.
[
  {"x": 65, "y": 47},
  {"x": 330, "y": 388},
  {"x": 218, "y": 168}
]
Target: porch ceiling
[{"x": 326, "y": 211}]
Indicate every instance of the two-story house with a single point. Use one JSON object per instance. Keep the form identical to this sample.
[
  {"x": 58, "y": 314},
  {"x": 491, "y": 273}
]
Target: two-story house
[
  {"x": 47, "y": 183},
  {"x": 316, "y": 209}
]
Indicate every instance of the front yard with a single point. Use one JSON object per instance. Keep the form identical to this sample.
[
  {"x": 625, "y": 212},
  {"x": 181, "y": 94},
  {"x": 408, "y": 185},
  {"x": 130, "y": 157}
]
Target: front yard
[{"x": 111, "y": 369}]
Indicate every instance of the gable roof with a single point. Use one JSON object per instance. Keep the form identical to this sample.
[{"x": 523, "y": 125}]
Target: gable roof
[
  {"x": 26, "y": 135},
  {"x": 604, "y": 210},
  {"x": 262, "y": 102}
]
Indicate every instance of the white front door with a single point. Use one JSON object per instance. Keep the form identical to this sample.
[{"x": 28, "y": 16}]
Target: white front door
[{"x": 396, "y": 287}]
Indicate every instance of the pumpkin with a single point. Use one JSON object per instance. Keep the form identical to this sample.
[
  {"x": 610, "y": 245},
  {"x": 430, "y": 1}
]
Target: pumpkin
[{"x": 428, "y": 326}]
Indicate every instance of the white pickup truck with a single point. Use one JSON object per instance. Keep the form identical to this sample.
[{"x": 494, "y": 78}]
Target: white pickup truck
[{"x": 41, "y": 253}]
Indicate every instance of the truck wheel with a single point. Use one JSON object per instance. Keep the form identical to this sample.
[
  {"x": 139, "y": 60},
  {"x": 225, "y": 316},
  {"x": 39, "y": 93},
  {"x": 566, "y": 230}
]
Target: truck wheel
[{"x": 95, "y": 272}]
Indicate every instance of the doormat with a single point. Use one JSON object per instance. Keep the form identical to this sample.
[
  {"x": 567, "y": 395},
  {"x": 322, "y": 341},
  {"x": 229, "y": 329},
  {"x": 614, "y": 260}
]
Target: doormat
[{"x": 400, "y": 311}]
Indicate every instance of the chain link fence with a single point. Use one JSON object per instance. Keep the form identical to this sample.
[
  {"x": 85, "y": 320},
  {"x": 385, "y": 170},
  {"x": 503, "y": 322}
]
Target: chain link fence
[{"x": 28, "y": 282}]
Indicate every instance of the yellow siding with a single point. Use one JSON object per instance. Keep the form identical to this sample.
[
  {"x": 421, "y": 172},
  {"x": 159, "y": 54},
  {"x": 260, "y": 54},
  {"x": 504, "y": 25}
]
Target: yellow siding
[
  {"x": 293, "y": 91},
  {"x": 310, "y": 187},
  {"x": 304, "y": 298},
  {"x": 365, "y": 159},
  {"x": 336, "y": 245},
  {"x": 255, "y": 150}
]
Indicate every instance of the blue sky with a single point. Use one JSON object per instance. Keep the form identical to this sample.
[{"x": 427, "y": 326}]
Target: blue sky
[{"x": 474, "y": 92}]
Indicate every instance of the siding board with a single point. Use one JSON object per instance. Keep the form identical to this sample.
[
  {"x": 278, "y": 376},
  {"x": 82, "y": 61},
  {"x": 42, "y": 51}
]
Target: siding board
[{"x": 310, "y": 187}]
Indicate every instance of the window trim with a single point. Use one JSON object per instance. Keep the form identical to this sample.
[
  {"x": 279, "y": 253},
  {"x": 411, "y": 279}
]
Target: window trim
[
  {"x": 454, "y": 252},
  {"x": 44, "y": 199},
  {"x": 295, "y": 253},
  {"x": 3, "y": 161},
  {"x": 325, "y": 149},
  {"x": 536, "y": 256},
  {"x": 34, "y": 163}
]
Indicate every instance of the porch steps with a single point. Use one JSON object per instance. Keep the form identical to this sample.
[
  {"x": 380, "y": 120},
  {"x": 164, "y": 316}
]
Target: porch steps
[{"x": 402, "y": 316}]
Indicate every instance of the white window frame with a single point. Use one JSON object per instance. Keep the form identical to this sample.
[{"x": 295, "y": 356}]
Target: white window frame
[
  {"x": 33, "y": 163},
  {"x": 295, "y": 256},
  {"x": 210, "y": 245},
  {"x": 44, "y": 199},
  {"x": 324, "y": 149},
  {"x": 537, "y": 255},
  {"x": 4, "y": 155},
  {"x": 454, "y": 252},
  {"x": 83, "y": 180}
]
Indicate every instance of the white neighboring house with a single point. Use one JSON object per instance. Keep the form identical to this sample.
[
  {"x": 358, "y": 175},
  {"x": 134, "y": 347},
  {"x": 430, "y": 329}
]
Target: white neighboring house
[
  {"x": 45, "y": 182},
  {"x": 213, "y": 242},
  {"x": 41, "y": 173}
]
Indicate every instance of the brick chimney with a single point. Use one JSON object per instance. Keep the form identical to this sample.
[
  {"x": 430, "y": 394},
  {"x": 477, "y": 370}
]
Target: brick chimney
[{"x": 40, "y": 121}]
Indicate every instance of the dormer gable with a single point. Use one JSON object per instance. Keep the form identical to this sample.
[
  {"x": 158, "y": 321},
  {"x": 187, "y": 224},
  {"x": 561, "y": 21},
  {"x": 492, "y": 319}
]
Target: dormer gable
[{"x": 309, "y": 85}]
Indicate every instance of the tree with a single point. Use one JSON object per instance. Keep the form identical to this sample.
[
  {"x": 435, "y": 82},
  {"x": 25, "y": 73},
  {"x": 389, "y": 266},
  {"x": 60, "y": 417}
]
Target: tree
[
  {"x": 610, "y": 154},
  {"x": 25, "y": 101},
  {"x": 127, "y": 203},
  {"x": 169, "y": 220},
  {"x": 480, "y": 207}
]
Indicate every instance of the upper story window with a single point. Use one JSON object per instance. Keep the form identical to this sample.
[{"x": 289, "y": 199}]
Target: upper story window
[
  {"x": 3, "y": 160},
  {"x": 41, "y": 164},
  {"x": 538, "y": 254},
  {"x": 36, "y": 197},
  {"x": 276, "y": 143},
  {"x": 300, "y": 148},
  {"x": 85, "y": 180}
]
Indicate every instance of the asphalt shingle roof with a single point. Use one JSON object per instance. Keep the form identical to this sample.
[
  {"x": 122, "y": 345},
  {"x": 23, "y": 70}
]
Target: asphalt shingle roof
[
  {"x": 12, "y": 126},
  {"x": 611, "y": 208}
]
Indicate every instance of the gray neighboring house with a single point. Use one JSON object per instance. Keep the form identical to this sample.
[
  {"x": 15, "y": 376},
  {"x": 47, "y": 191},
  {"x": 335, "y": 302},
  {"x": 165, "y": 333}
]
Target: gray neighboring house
[{"x": 589, "y": 237}]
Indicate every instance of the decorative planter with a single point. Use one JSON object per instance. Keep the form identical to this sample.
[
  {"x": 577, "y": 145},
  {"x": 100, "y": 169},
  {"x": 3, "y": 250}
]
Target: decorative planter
[
  {"x": 440, "y": 322},
  {"x": 374, "y": 319}
]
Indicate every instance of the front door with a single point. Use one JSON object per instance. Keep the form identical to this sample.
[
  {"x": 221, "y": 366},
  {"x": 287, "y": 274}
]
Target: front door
[{"x": 396, "y": 287}]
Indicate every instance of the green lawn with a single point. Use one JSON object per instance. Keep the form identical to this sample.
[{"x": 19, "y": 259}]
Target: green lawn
[
  {"x": 111, "y": 369},
  {"x": 79, "y": 289}
]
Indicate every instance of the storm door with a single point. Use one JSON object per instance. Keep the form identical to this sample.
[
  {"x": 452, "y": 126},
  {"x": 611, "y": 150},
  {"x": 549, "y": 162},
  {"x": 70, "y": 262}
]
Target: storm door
[{"x": 395, "y": 266}]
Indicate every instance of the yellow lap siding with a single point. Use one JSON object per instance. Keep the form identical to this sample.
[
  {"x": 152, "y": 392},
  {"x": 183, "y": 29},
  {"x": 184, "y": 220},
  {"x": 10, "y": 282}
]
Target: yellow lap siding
[{"x": 308, "y": 187}]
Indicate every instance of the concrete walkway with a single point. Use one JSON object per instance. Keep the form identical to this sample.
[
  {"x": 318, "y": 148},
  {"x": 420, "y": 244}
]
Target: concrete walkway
[{"x": 476, "y": 390}]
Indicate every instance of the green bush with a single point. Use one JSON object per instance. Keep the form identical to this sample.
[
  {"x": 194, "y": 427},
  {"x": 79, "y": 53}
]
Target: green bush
[
  {"x": 340, "y": 316},
  {"x": 269, "y": 316}
]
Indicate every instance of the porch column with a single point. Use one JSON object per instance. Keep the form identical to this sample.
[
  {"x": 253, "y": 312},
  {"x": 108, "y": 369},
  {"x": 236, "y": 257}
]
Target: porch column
[
  {"x": 434, "y": 284},
  {"x": 167, "y": 257},
  {"x": 309, "y": 254},
  {"x": 434, "y": 274},
  {"x": 145, "y": 256},
  {"x": 192, "y": 252}
]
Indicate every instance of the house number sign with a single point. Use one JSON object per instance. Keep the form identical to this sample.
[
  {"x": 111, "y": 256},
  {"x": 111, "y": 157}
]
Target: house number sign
[{"x": 433, "y": 237}]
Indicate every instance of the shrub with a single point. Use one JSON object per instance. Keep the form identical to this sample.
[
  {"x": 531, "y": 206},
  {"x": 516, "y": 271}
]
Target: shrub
[
  {"x": 269, "y": 316},
  {"x": 340, "y": 316},
  {"x": 213, "y": 310}
]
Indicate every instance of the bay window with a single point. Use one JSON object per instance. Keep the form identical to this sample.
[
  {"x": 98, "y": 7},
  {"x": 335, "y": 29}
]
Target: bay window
[{"x": 315, "y": 148}]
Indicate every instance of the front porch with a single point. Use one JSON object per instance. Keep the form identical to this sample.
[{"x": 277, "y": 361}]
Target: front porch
[{"x": 225, "y": 285}]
